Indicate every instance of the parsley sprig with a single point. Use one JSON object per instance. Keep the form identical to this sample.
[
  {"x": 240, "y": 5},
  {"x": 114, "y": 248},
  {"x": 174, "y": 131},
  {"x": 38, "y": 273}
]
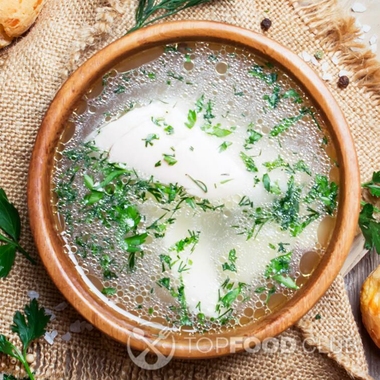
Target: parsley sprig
[
  {"x": 10, "y": 231},
  {"x": 28, "y": 326},
  {"x": 368, "y": 224}
]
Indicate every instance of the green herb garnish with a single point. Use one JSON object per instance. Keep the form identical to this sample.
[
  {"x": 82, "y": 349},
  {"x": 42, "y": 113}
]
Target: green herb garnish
[
  {"x": 370, "y": 228},
  {"x": 324, "y": 191},
  {"x": 230, "y": 265},
  {"x": 169, "y": 159},
  {"x": 149, "y": 139},
  {"x": 199, "y": 183},
  {"x": 149, "y": 11},
  {"x": 224, "y": 145},
  {"x": 249, "y": 163},
  {"x": 10, "y": 231},
  {"x": 29, "y": 327},
  {"x": 191, "y": 119},
  {"x": 374, "y": 185},
  {"x": 109, "y": 291},
  {"x": 218, "y": 132},
  {"x": 253, "y": 137},
  {"x": 258, "y": 72}
]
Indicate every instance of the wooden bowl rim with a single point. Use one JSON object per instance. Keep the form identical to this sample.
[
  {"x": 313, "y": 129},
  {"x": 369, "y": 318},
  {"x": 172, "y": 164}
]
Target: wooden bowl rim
[{"x": 62, "y": 270}]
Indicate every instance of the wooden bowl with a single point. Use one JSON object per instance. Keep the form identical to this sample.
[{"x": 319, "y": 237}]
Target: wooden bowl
[{"x": 61, "y": 268}]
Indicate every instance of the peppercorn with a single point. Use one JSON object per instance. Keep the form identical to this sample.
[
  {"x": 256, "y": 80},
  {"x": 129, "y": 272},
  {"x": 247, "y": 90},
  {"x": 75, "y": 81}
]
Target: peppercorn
[
  {"x": 266, "y": 24},
  {"x": 343, "y": 81}
]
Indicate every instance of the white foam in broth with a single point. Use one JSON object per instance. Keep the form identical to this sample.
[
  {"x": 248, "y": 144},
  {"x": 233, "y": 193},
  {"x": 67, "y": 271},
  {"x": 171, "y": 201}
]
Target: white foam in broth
[{"x": 194, "y": 184}]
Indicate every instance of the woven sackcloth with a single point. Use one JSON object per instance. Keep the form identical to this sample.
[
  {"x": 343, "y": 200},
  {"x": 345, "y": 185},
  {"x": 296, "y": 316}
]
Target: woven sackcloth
[{"x": 34, "y": 67}]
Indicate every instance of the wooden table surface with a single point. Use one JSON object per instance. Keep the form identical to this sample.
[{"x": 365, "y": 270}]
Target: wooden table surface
[{"x": 354, "y": 280}]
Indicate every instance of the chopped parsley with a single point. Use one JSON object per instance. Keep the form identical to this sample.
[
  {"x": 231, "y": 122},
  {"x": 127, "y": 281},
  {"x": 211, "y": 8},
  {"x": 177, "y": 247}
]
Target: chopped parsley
[
  {"x": 149, "y": 139},
  {"x": 249, "y": 163},
  {"x": 230, "y": 265},
  {"x": 169, "y": 159},
  {"x": 191, "y": 119},
  {"x": 224, "y": 145}
]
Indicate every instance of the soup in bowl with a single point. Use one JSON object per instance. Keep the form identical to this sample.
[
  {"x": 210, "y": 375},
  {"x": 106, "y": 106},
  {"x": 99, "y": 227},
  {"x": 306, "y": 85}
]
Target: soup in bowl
[{"x": 193, "y": 181}]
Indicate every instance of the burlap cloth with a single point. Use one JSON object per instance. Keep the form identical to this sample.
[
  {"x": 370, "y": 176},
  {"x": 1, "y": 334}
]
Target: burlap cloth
[{"x": 33, "y": 69}]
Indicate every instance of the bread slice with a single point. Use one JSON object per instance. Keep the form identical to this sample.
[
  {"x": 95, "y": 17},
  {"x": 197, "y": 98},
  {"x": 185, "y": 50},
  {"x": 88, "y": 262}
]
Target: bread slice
[
  {"x": 16, "y": 17},
  {"x": 370, "y": 305}
]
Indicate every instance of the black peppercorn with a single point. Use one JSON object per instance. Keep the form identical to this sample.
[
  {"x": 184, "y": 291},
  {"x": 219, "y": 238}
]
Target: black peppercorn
[
  {"x": 266, "y": 24},
  {"x": 343, "y": 81}
]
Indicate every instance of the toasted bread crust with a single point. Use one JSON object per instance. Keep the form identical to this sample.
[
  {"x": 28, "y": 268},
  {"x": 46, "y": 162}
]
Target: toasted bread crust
[
  {"x": 370, "y": 305},
  {"x": 17, "y": 16}
]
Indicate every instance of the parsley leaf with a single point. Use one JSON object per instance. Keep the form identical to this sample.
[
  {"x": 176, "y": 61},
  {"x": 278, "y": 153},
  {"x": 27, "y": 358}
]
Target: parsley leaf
[
  {"x": 9, "y": 217},
  {"x": 109, "y": 291},
  {"x": 10, "y": 231},
  {"x": 258, "y": 72},
  {"x": 169, "y": 159},
  {"x": 374, "y": 185},
  {"x": 31, "y": 327},
  {"x": 278, "y": 268},
  {"x": 7, "y": 258},
  {"x": 218, "y": 132},
  {"x": 224, "y": 145},
  {"x": 324, "y": 191},
  {"x": 149, "y": 139},
  {"x": 370, "y": 228},
  {"x": 191, "y": 119},
  {"x": 274, "y": 98},
  {"x": 232, "y": 260},
  {"x": 253, "y": 137},
  {"x": 249, "y": 163},
  {"x": 28, "y": 327}
]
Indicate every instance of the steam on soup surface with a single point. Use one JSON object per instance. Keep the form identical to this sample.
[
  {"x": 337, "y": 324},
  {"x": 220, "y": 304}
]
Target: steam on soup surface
[{"x": 194, "y": 186}]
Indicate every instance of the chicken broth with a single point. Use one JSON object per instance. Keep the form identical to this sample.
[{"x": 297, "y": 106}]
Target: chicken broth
[{"x": 189, "y": 188}]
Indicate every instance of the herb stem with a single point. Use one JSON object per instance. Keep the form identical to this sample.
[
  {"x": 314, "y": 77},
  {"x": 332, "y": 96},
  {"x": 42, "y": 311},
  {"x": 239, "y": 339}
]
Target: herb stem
[{"x": 18, "y": 247}]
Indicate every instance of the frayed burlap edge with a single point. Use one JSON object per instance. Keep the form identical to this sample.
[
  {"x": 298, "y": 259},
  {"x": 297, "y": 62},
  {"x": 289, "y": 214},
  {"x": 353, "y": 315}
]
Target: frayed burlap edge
[{"x": 339, "y": 35}]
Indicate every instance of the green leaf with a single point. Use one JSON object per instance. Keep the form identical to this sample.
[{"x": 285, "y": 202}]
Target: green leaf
[
  {"x": 164, "y": 282},
  {"x": 169, "y": 159},
  {"x": 292, "y": 94},
  {"x": 33, "y": 326},
  {"x": 6, "y": 347},
  {"x": 218, "y": 132},
  {"x": 376, "y": 177},
  {"x": 149, "y": 139},
  {"x": 274, "y": 98},
  {"x": 370, "y": 228},
  {"x": 285, "y": 124},
  {"x": 258, "y": 72},
  {"x": 109, "y": 291},
  {"x": 285, "y": 280},
  {"x": 224, "y": 145},
  {"x": 9, "y": 218},
  {"x": 278, "y": 265},
  {"x": 93, "y": 197},
  {"x": 325, "y": 192},
  {"x": 134, "y": 242},
  {"x": 249, "y": 163},
  {"x": 110, "y": 177},
  {"x": 88, "y": 181},
  {"x": 7, "y": 258},
  {"x": 374, "y": 185},
  {"x": 266, "y": 182},
  {"x": 301, "y": 166},
  {"x": 191, "y": 119},
  {"x": 253, "y": 137}
]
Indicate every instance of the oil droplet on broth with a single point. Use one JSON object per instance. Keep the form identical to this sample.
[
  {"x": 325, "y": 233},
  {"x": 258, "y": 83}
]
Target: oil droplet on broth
[
  {"x": 186, "y": 69},
  {"x": 309, "y": 261}
]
